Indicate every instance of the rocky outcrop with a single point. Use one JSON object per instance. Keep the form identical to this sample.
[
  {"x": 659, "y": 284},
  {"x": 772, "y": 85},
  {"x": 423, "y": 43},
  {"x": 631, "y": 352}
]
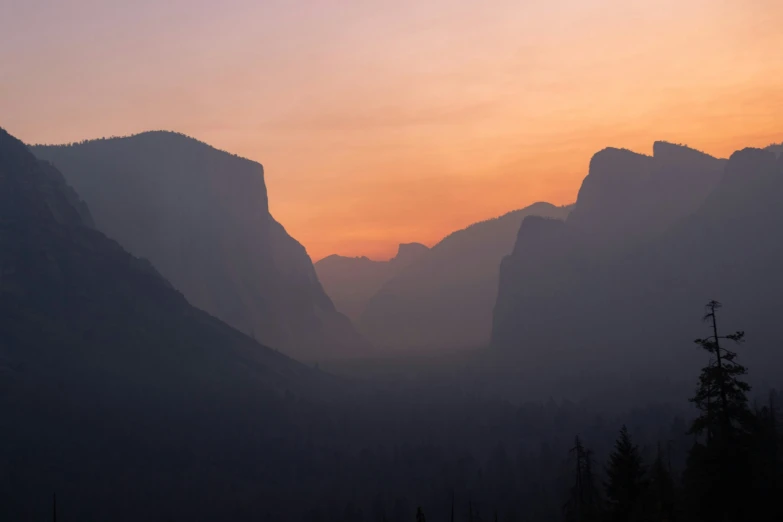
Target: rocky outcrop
[
  {"x": 201, "y": 216},
  {"x": 627, "y": 196}
]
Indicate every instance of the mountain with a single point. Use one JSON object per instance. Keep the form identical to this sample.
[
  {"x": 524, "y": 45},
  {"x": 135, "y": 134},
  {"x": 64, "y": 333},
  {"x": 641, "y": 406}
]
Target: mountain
[
  {"x": 351, "y": 281},
  {"x": 620, "y": 286},
  {"x": 628, "y": 196},
  {"x": 201, "y": 216},
  {"x": 444, "y": 299},
  {"x": 776, "y": 149},
  {"x": 110, "y": 380}
]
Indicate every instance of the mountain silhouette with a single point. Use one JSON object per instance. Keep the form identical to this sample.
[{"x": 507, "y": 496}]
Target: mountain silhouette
[
  {"x": 201, "y": 216},
  {"x": 444, "y": 299},
  {"x": 351, "y": 281},
  {"x": 103, "y": 363},
  {"x": 619, "y": 285},
  {"x": 628, "y": 196}
]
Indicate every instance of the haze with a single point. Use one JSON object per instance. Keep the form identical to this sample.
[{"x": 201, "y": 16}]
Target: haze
[
  {"x": 363, "y": 261},
  {"x": 417, "y": 118}
]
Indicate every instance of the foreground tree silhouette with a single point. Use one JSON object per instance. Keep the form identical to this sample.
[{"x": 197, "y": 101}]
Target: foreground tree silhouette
[
  {"x": 661, "y": 492},
  {"x": 583, "y": 504},
  {"x": 767, "y": 478},
  {"x": 721, "y": 394},
  {"x": 718, "y": 469},
  {"x": 626, "y": 483}
]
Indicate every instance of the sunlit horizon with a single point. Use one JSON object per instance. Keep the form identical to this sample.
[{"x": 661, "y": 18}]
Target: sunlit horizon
[{"x": 390, "y": 123}]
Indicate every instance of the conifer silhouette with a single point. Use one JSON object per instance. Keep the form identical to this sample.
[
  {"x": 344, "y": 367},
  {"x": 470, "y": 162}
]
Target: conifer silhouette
[{"x": 626, "y": 482}]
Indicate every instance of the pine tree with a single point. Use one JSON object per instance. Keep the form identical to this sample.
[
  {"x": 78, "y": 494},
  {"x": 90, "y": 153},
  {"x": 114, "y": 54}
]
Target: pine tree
[
  {"x": 719, "y": 469},
  {"x": 721, "y": 394},
  {"x": 583, "y": 504},
  {"x": 661, "y": 489},
  {"x": 626, "y": 482},
  {"x": 592, "y": 495}
]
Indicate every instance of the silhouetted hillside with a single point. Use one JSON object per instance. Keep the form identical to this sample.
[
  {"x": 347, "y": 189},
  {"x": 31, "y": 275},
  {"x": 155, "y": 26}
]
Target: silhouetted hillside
[
  {"x": 628, "y": 196},
  {"x": 445, "y": 298},
  {"x": 201, "y": 217},
  {"x": 612, "y": 286},
  {"x": 776, "y": 149},
  {"x": 351, "y": 281},
  {"x": 106, "y": 369}
]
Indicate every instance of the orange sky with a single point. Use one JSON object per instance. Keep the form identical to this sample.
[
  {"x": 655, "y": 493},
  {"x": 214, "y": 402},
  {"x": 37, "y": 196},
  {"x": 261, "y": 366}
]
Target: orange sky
[{"x": 384, "y": 122}]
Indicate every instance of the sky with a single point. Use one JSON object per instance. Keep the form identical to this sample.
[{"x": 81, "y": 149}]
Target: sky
[{"x": 381, "y": 122}]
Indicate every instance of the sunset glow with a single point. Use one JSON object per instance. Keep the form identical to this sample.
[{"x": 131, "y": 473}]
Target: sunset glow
[{"x": 386, "y": 122}]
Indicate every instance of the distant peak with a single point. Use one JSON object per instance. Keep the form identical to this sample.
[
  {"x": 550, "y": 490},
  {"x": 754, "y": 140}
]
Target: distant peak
[
  {"x": 617, "y": 152},
  {"x": 776, "y": 149},
  {"x": 171, "y": 140},
  {"x": 749, "y": 161},
  {"x": 336, "y": 260},
  {"x": 612, "y": 159},
  {"x": 616, "y": 162},
  {"x": 538, "y": 205},
  {"x": 408, "y": 252},
  {"x": 664, "y": 150}
]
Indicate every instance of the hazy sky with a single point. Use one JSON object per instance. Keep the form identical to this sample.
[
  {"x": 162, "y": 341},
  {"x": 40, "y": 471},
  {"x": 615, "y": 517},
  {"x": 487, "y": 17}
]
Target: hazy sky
[{"x": 381, "y": 122}]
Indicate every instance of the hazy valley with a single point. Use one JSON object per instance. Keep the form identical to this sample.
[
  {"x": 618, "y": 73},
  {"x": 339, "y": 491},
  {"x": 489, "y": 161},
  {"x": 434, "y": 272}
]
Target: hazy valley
[{"x": 153, "y": 313}]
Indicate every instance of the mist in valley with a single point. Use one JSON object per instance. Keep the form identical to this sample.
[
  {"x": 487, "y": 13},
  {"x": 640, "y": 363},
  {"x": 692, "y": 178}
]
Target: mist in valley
[{"x": 169, "y": 350}]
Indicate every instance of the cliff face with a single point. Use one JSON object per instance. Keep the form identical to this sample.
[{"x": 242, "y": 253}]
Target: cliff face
[
  {"x": 621, "y": 286},
  {"x": 444, "y": 300},
  {"x": 107, "y": 374},
  {"x": 352, "y": 281},
  {"x": 626, "y": 195},
  {"x": 72, "y": 296},
  {"x": 201, "y": 217}
]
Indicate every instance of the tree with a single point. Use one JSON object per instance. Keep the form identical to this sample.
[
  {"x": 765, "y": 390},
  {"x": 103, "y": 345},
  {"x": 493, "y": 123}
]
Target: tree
[
  {"x": 721, "y": 394},
  {"x": 719, "y": 469},
  {"x": 661, "y": 489},
  {"x": 583, "y": 504},
  {"x": 626, "y": 482},
  {"x": 420, "y": 515},
  {"x": 766, "y": 482}
]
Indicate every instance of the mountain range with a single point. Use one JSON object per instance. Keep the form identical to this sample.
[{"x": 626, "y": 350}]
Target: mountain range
[
  {"x": 352, "y": 281},
  {"x": 129, "y": 401},
  {"x": 440, "y": 300},
  {"x": 201, "y": 217}
]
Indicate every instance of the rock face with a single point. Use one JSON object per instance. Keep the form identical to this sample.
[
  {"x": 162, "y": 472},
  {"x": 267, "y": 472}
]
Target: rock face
[
  {"x": 105, "y": 369},
  {"x": 201, "y": 217},
  {"x": 444, "y": 299},
  {"x": 627, "y": 196},
  {"x": 351, "y": 281},
  {"x": 620, "y": 284}
]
